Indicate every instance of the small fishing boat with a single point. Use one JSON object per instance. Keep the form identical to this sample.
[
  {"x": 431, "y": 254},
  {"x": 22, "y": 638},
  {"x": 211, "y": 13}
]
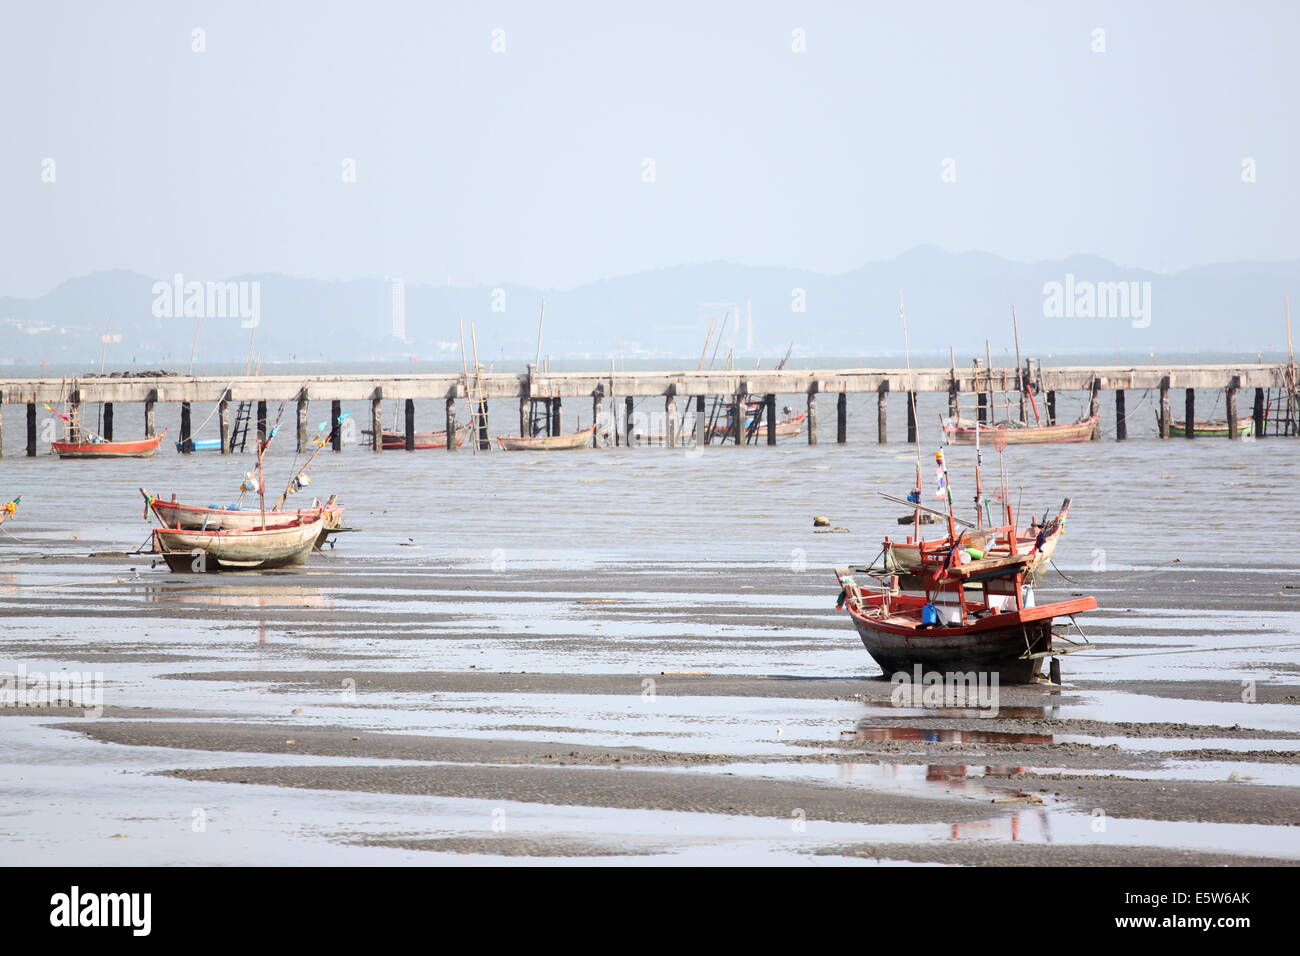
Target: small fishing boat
[
  {"x": 1212, "y": 428},
  {"x": 961, "y": 431},
  {"x": 87, "y": 447},
  {"x": 580, "y": 439},
  {"x": 756, "y": 425},
  {"x": 393, "y": 440},
  {"x": 177, "y": 516},
  {"x": 277, "y": 545},
  {"x": 200, "y": 444}
]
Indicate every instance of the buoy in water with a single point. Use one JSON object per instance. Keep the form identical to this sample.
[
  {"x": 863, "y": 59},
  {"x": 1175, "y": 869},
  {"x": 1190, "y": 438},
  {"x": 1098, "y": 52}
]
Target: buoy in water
[{"x": 821, "y": 521}]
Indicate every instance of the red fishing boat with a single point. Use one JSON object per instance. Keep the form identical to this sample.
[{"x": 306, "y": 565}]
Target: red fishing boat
[{"x": 88, "y": 447}]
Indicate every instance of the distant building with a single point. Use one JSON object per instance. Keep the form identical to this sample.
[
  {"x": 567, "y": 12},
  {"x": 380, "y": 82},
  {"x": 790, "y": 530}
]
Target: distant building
[{"x": 397, "y": 296}]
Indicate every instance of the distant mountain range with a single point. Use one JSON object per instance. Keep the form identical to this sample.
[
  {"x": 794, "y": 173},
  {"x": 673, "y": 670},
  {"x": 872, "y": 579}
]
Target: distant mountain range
[{"x": 1079, "y": 304}]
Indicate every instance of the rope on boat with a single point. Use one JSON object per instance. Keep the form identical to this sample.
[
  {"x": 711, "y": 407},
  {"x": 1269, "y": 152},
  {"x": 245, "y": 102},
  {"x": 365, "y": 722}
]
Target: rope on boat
[{"x": 1202, "y": 650}]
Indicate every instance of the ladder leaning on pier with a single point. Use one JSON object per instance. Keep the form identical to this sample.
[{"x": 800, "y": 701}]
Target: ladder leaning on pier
[{"x": 239, "y": 433}]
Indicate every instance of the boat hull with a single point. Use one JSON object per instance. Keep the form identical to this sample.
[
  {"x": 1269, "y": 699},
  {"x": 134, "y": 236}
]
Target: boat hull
[
  {"x": 572, "y": 442},
  {"x": 994, "y": 651},
  {"x": 1212, "y": 429},
  {"x": 963, "y": 433},
  {"x": 785, "y": 428},
  {"x": 144, "y": 448},
  {"x": 278, "y": 546},
  {"x": 424, "y": 441},
  {"x": 172, "y": 515}
]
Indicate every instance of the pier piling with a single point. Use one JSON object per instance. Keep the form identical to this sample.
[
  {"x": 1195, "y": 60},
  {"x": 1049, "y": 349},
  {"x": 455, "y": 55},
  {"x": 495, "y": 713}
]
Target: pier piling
[
  {"x": 701, "y": 423},
  {"x": 1189, "y": 406},
  {"x": 770, "y": 402},
  {"x": 1121, "y": 420},
  {"x": 597, "y": 399},
  {"x": 451, "y": 421},
  {"x": 261, "y": 421},
  {"x": 1164, "y": 407},
  {"x": 1230, "y": 396},
  {"x": 1259, "y": 413},
  {"x": 223, "y": 422},
  {"x": 149, "y": 431},
  {"x": 187, "y": 445},
  {"x": 557, "y": 416},
  {"x": 31, "y": 429},
  {"x": 336, "y": 430},
  {"x": 302, "y": 419},
  {"x": 738, "y": 418},
  {"x": 377, "y": 421},
  {"x": 628, "y": 406},
  {"x": 841, "y": 418},
  {"x": 408, "y": 412},
  {"x": 812, "y": 417},
  {"x": 911, "y": 418},
  {"x": 1051, "y": 408},
  {"x": 670, "y": 413},
  {"x": 108, "y": 421},
  {"x": 882, "y": 413},
  {"x": 1094, "y": 408}
]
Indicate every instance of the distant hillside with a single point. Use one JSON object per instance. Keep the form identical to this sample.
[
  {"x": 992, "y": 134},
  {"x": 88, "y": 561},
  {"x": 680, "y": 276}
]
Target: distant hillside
[{"x": 954, "y": 300}]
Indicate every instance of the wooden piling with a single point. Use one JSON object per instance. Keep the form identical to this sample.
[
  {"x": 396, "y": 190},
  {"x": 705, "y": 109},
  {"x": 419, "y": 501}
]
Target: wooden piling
[
  {"x": 670, "y": 413},
  {"x": 107, "y": 431},
  {"x": 738, "y": 418},
  {"x": 1259, "y": 413},
  {"x": 1231, "y": 399},
  {"x": 303, "y": 439},
  {"x": 911, "y": 418},
  {"x": 770, "y": 402},
  {"x": 596, "y": 399},
  {"x": 842, "y": 418},
  {"x": 1164, "y": 407},
  {"x": 812, "y": 418},
  {"x": 187, "y": 445},
  {"x": 149, "y": 414},
  {"x": 31, "y": 429},
  {"x": 557, "y": 416},
  {"x": 451, "y": 422},
  {"x": 882, "y": 413},
  {"x": 1121, "y": 420},
  {"x": 1189, "y": 409},
  {"x": 408, "y": 410},
  {"x": 701, "y": 423},
  {"x": 261, "y": 421},
  {"x": 336, "y": 409},
  {"x": 1094, "y": 408},
  {"x": 525, "y": 416},
  {"x": 377, "y": 421},
  {"x": 628, "y": 405},
  {"x": 1051, "y": 408},
  {"x": 223, "y": 421}
]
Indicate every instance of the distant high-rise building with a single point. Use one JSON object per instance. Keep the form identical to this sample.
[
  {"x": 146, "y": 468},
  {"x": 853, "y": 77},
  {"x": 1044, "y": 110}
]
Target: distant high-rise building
[{"x": 397, "y": 294}]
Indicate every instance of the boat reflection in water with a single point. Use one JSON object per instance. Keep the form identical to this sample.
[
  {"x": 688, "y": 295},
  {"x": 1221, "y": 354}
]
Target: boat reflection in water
[{"x": 252, "y": 596}]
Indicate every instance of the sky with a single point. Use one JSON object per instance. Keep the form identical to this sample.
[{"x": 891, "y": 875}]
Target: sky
[{"x": 554, "y": 144}]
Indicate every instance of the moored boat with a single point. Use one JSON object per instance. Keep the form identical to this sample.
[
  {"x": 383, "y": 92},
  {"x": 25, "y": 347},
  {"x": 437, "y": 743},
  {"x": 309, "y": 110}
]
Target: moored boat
[
  {"x": 286, "y": 544},
  {"x": 1212, "y": 428},
  {"x": 175, "y": 515},
  {"x": 961, "y": 431},
  {"x": 580, "y": 439},
  {"x": 393, "y": 440},
  {"x": 88, "y": 448}
]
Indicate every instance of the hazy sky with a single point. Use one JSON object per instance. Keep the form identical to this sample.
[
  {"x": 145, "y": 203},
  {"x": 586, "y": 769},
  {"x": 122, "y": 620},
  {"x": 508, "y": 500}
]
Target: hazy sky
[{"x": 529, "y": 165}]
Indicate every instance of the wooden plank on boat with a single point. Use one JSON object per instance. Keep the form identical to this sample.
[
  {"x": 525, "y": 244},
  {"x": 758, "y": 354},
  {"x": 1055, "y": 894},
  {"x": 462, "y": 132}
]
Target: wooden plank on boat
[{"x": 993, "y": 567}]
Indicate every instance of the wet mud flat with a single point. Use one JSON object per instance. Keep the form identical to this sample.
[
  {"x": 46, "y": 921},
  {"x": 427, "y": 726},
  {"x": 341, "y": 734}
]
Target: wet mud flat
[{"x": 388, "y": 710}]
